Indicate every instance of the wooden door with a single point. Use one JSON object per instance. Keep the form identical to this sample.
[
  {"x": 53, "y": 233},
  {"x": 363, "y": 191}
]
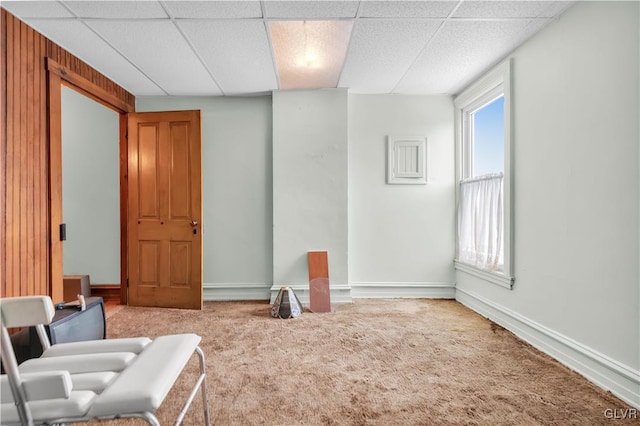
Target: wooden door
[{"x": 165, "y": 209}]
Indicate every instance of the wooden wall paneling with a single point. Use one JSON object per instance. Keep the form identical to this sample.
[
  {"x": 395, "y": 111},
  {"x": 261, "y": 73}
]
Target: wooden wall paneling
[
  {"x": 27, "y": 228},
  {"x": 21, "y": 169},
  {"x": 29, "y": 235},
  {"x": 3, "y": 149},
  {"x": 23, "y": 139},
  {"x": 26, "y": 168},
  {"x": 41, "y": 174},
  {"x": 14, "y": 165},
  {"x": 7, "y": 148}
]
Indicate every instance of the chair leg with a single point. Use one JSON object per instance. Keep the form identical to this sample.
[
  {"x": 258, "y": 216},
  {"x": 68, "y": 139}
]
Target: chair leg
[
  {"x": 205, "y": 399},
  {"x": 201, "y": 383},
  {"x": 8, "y": 358}
]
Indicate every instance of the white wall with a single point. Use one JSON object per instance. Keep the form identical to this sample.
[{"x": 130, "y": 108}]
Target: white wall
[
  {"x": 90, "y": 188},
  {"x": 401, "y": 237},
  {"x": 310, "y": 204},
  {"x": 237, "y": 204},
  {"x": 576, "y": 107},
  {"x": 329, "y": 193}
]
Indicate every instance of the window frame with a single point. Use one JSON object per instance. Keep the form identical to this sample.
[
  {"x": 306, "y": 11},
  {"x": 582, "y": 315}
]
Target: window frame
[{"x": 489, "y": 87}]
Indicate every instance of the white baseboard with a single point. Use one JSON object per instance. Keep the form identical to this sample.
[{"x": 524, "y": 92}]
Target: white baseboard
[
  {"x": 235, "y": 291},
  {"x": 621, "y": 380},
  {"x": 339, "y": 293},
  {"x": 414, "y": 290}
]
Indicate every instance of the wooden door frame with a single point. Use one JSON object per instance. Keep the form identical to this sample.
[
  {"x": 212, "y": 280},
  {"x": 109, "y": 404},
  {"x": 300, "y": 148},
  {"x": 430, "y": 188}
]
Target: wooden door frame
[{"x": 57, "y": 76}]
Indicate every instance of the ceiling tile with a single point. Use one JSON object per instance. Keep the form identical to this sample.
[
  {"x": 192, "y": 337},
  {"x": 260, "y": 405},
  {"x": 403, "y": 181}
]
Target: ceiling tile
[
  {"x": 556, "y": 8},
  {"x": 237, "y": 53},
  {"x": 162, "y": 53},
  {"x": 460, "y": 52},
  {"x": 380, "y": 52},
  {"x": 36, "y": 9},
  {"x": 310, "y": 54},
  {"x": 117, "y": 9},
  {"x": 406, "y": 9},
  {"x": 311, "y": 9},
  {"x": 214, "y": 9},
  {"x": 78, "y": 39},
  {"x": 387, "y": 51},
  {"x": 500, "y": 9}
]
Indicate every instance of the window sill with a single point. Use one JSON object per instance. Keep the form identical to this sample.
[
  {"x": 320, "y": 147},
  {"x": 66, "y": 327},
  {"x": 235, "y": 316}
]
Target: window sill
[{"x": 493, "y": 277}]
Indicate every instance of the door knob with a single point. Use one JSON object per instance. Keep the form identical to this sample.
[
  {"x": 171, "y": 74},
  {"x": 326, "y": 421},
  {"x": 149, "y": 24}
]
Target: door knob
[{"x": 194, "y": 223}]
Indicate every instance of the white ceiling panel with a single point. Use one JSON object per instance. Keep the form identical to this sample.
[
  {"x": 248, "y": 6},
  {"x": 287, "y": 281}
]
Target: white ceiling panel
[
  {"x": 407, "y": 9},
  {"x": 224, "y": 47},
  {"x": 214, "y": 9},
  {"x": 36, "y": 9},
  {"x": 500, "y": 9},
  {"x": 117, "y": 9},
  {"x": 78, "y": 39},
  {"x": 381, "y": 51},
  {"x": 460, "y": 51},
  {"x": 236, "y": 51},
  {"x": 555, "y": 8},
  {"x": 159, "y": 50},
  {"x": 311, "y": 9}
]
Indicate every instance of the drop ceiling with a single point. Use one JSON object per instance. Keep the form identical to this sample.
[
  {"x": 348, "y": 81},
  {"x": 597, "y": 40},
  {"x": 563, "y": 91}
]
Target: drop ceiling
[{"x": 224, "y": 48}]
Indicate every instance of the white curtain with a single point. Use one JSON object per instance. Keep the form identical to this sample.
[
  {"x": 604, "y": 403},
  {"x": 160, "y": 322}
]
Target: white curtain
[{"x": 481, "y": 222}]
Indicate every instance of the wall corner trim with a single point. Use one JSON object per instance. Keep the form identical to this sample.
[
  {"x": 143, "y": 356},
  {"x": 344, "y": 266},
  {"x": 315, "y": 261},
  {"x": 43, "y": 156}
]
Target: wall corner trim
[{"x": 611, "y": 375}]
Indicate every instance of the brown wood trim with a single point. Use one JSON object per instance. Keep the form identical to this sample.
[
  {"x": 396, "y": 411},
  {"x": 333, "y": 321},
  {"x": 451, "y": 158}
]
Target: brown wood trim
[
  {"x": 3, "y": 150},
  {"x": 57, "y": 78},
  {"x": 88, "y": 88},
  {"x": 109, "y": 292},
  {"x": 72, "y": 63},
  {"x": 55, "y": 168},
  {"x": 55, "y": 186},
  {"x": 124, "y": 219},
  {"x": 95, "y": 92}
]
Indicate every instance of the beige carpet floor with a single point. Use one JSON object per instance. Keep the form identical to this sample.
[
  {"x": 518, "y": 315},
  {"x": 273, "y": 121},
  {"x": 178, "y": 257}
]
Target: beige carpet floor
[{"x": 373, "y": 362}]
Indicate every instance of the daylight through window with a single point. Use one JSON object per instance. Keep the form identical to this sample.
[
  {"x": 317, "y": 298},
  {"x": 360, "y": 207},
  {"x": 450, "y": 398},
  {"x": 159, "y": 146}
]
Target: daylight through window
[{"x": 484, "y": 213}]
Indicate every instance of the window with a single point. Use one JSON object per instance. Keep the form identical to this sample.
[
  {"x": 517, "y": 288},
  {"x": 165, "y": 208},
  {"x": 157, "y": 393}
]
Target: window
[
  {"x": 484, "y": 233},
  {"x": 488, "y": 138}
]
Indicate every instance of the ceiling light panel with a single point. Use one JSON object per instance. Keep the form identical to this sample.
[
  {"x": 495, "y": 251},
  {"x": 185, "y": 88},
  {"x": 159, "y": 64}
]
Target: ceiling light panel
[
  {"x": 79, "y": 40},
  {"x": 36, "y": 9},
  {"x": 309, "y": 54},
  {"x": 214, "y": 9},
  {"x": 460, "y": 52},
  {"x": 406, "y": 9},
  {"x": 310, "y": 9},
  {"x": 117, "y": 9},
  {"x": 381, "y": 51},
  {"x": 500, "y": 9},
  {"x": 162, "y": 53},
  {"x": 236, "y": 51}
]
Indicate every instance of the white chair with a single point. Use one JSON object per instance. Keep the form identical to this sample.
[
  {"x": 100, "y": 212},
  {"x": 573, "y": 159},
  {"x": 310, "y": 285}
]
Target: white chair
[{"x": 92, "y": 380}]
